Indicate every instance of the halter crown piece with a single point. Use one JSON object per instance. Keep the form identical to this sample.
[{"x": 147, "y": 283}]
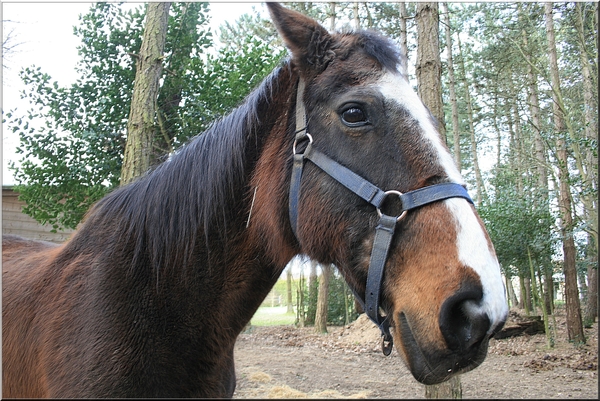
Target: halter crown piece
[{"x": 384, "y": 231}]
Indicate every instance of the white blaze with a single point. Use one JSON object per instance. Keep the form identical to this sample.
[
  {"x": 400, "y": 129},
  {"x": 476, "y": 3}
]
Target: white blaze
[
  {"x": 474, "y": 252},
  {"x": 472, "y": 244},
  {"x": 397, "y": 88}
]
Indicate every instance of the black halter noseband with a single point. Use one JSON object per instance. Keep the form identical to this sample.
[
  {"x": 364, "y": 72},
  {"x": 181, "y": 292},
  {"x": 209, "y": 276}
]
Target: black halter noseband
[{"x": 386, "y": 226}]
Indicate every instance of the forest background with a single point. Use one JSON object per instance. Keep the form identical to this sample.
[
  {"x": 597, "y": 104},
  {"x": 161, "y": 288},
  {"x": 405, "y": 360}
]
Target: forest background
[{"x": 516, "y": 95}]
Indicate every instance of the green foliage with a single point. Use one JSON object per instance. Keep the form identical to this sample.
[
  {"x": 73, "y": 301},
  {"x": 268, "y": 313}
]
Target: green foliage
[
  {"x": 517, "y": 223},
  {"x": 72, "y": 138},
  {"x": 340, "y": 302}
]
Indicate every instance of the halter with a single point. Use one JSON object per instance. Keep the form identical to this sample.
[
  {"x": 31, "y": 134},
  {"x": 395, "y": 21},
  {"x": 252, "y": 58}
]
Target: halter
[{"x": 386, "y": 226}]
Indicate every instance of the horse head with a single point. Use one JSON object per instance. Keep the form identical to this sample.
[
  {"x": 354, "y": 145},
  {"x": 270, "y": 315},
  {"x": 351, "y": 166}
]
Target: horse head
[{"x": 441, "y": 293}]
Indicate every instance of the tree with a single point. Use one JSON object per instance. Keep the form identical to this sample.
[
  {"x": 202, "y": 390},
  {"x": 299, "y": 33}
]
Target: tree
[
  {"x": 73, "y": 138},
  {"x": 573, "y": 309},
  {"x": 429, "y": 74},
  {"x": 290, "y": 307},
  {"x": 452, "y": 85},
  {"x": 321, "y": 314},
  {"x": 313, "y": 290},
  {"x": 429, "y": 65},
  {"x": 141, "y": 123}
]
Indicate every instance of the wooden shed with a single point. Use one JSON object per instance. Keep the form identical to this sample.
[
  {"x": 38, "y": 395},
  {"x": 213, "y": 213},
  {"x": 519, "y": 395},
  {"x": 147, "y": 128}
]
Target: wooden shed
[{"x": 14, "y": 221}]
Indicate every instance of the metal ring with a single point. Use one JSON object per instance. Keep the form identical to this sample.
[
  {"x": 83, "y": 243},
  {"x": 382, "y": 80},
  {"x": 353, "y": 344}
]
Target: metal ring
[
  {"x": 310, "y": 140},
  {"x": 392, "y": 192}
]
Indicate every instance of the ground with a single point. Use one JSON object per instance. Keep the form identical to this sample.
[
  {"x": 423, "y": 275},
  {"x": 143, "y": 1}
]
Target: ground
[{"x": 289, "y": 362}]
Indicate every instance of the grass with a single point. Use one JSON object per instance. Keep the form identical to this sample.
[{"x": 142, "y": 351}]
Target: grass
[{"x": 273, "y": 316}]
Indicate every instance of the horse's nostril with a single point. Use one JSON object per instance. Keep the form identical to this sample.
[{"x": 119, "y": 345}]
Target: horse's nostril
[{"x": 462, "y": 322}]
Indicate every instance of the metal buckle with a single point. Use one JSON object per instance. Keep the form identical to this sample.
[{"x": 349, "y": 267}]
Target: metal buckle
[
  {"x": 387, "y": 344},
  {"x": 399, "y": 194},
  {"x": 301, "y": 138}
]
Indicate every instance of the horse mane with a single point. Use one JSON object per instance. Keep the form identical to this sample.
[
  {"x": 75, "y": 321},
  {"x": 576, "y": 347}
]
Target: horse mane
[
  {"x": 375, "y": 45},
  {"x": 158, "y": 219}
]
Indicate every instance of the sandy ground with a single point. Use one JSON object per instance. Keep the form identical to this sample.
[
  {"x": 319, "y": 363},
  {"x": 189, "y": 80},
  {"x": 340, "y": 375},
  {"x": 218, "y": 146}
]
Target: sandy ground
[{"x": 288, "y": 362}]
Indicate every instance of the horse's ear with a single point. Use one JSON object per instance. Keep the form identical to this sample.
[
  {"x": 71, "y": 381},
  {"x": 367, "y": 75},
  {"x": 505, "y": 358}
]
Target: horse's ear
[{"x": 309, "y": 42}]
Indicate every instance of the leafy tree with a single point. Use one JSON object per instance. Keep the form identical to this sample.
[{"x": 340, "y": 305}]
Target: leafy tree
[
  {"x": 72, "y": 137},
  {"x": 74, "y": 156},
  {"x": 517, "y": 226}
]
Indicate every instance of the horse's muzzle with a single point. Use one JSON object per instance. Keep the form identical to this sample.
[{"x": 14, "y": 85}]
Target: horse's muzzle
[{"x": 466, "y": 330}]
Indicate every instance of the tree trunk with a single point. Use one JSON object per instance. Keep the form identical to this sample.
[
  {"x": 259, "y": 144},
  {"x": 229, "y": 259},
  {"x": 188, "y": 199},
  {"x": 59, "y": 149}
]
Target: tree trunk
[
  {"x": 540, "y": 157},
  {"x": 313, "y": 291},
  {"x": 141, "y": 124},
  {"x": 290, "y": 300},
  {"x": 590, "y": 104},
  {"x": 429, "y": 84},
  {"x": 355, "y": 15},
  {"x": 452, "y": 86},
  {"x": 591, "y": 306},
  {"x": 514, "y": 302},
  {"x": 332, "y": 16},
  {"x": 321, "y": 315},
  {"x": 451, "y": 389},
  {"x": 429, "y": 64},
  {"x": 403, "y": 38},
  {"x": 474, "y": 157},
  {"x": 573, "y": 309},
  {"x": 300, "y": 315}
]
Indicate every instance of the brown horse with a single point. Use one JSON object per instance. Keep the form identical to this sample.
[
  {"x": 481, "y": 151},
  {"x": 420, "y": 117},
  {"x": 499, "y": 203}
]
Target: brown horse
[{"x": 148, "y": 297}]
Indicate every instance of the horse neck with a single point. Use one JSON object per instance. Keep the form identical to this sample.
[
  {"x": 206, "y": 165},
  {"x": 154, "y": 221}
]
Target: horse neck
[{"x": 192, "y": 212}]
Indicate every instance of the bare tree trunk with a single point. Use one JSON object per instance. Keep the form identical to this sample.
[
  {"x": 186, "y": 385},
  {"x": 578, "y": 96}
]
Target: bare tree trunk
[
  {"x": 321, "y": 316},
  {"x": 332, "y": 16},
  {"x": 590, "y": 104},
  {"x": 452, "y": 85},
  {"x": 591, "y": 309},
  {"x": 141, "y": 124},
  {"x": 355, "y": 15},
  {"x": 313, "y": 291},
  {"x": 300, "y": 316},
  {"x": 429, "y": 64},
  {"x": 403, "y": 39},
  {"x": 290, "y": 300},
  {"x": 573, "y": 309},
  {"x": 511, "y": 293},
  {"x": 451, "y": 389},
  {"x": 474, "y": 157},
  {"x": 540, "y": 157},
  {"x": 429, "y": 83}
]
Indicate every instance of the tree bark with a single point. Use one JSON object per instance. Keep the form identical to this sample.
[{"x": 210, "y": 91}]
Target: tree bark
[
  {"x": 452, "y": 86},
  {"x": 429, "y": 64},
  {"x": 514, "y": 302},
  {"x": 332, "y": 16},
  {"x": 473, "y": 140},
  {"x": 321, "y": 315},
  {"x": 540, "y": 156},
  {"x": 403, "y": 39},
  {"x": 313, "y": 291},
  {"x": 451, "y": 389},
  {"x": 355, "y": 15},
  {"x": 590, "y": 104},
  {"x": 574, "y": 321},
  {"x": 290, "y": 300},
  {"x": 141, "y": 124},
  {"x": 429, "y": 84}
]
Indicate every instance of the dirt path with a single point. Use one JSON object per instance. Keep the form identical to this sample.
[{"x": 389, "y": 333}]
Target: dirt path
[{"x": 286, "y": 362}]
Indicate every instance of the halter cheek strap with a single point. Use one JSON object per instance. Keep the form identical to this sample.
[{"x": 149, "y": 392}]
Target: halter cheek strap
[{"x": 384, "y": 231}]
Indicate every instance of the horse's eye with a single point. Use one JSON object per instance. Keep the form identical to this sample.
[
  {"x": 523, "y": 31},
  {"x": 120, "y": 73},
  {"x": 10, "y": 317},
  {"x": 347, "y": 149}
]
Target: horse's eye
[{"x": 354, "y": 116}]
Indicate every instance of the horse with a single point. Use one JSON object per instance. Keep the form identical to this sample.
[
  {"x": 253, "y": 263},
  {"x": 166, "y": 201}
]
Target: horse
[{"x": 148, "y": 296}]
